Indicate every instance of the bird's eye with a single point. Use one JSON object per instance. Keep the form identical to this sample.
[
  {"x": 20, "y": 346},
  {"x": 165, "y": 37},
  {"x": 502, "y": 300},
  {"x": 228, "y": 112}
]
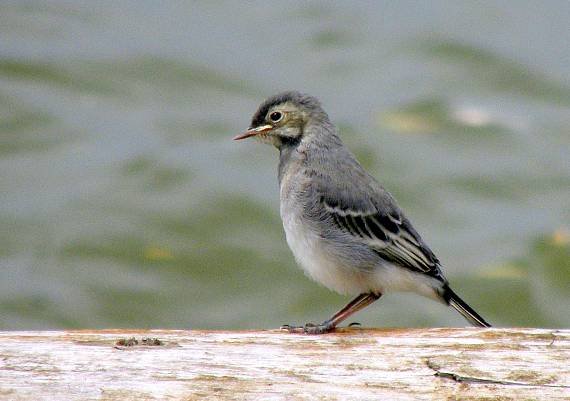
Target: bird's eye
[{"x": 276, "y": 116}]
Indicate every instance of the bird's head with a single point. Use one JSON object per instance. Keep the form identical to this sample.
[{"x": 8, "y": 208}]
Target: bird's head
[{"x": 283, "y": 119}]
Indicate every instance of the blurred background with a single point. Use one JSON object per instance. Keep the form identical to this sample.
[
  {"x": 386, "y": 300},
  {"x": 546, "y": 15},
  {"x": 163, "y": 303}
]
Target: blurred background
[{"x": 125, "y": 203}]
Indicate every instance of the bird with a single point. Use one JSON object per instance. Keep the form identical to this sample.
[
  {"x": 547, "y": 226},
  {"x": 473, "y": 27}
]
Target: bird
[{"x": 344, "y": 229}]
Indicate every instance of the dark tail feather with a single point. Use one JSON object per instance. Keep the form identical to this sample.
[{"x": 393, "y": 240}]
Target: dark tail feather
[{"x": 461, "y": 306}]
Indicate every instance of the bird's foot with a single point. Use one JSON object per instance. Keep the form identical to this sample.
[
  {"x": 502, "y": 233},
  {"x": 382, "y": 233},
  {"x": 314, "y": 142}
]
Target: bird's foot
[
  {"x": 325, "y": 327},
  {"x": 310, "y": 328}
]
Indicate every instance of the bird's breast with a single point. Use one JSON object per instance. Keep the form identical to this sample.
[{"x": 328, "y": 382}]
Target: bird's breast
[{"x": 315, "y": 255}]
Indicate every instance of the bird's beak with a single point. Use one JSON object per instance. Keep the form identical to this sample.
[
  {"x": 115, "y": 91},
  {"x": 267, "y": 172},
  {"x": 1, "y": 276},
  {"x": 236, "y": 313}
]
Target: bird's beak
[{"x": 254, "y": 131}]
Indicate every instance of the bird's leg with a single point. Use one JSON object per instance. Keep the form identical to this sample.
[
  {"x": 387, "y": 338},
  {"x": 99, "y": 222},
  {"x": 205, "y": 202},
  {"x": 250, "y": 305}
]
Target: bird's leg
[{"x": 358, "y": 303}]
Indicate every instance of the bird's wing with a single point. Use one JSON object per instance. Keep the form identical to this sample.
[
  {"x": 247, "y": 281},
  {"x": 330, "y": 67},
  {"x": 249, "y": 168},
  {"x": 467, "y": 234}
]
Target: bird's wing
[{"x": 384, "y": 229}]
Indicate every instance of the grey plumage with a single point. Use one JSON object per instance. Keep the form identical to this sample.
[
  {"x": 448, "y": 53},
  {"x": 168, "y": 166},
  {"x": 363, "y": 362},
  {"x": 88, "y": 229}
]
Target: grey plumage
[{"x": 343, "y": 227}]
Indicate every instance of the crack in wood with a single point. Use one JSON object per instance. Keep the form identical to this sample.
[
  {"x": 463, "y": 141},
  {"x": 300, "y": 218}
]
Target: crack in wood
[{"x": 478, "y": 380}]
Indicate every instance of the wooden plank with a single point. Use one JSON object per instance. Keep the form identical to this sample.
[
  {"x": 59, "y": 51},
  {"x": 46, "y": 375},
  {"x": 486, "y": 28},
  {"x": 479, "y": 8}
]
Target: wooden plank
[{"x": 351, "y": 364}]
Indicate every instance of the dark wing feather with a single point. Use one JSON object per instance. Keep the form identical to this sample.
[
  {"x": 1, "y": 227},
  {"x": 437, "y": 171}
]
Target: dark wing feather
[{"x": 389, "y": 234}]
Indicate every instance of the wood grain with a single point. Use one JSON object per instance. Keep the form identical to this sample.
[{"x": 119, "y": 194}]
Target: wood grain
[{"x": 351, "y": 364}]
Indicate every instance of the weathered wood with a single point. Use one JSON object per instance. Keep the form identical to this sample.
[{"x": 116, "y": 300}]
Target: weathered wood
[{"x": 352, "y": 364}]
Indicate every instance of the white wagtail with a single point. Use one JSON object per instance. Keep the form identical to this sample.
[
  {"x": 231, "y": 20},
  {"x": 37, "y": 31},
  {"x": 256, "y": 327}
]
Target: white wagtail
[{"x": 343, "y": 227}]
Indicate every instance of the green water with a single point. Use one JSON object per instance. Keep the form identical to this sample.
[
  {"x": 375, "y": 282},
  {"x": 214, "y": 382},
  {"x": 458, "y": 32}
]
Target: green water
[{"x": 124, "y": 202}]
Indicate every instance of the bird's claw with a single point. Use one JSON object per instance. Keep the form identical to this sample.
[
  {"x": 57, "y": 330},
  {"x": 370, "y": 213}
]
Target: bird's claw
[
  {"x": 309, "y": 328},
  {"x": 353, "y": 324},
  {"x": 291, "y": 328}
]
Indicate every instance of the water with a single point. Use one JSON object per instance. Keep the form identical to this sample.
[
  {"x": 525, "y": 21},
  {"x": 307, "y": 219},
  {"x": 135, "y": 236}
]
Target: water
[{"x": 124, "y": 202}]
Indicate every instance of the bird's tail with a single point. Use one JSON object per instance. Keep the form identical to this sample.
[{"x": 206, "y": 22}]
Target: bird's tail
[{"x": 461, "y": 306}]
